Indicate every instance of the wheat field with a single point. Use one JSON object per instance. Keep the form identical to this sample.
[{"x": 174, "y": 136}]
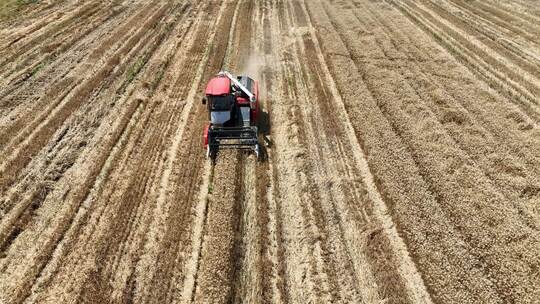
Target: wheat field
[{"x": 401, "y": 164}]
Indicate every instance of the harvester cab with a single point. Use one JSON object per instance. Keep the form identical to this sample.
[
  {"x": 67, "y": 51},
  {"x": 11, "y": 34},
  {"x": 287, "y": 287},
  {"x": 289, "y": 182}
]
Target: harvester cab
[{"x": 233, "y": 107}]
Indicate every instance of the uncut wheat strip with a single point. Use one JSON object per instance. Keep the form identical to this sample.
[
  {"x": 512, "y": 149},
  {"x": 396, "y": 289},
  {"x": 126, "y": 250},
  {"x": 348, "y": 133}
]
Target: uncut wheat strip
[
  {"x": 296, "y": 97},
  {"x": 436, "y": 155},
  {"x": 342, "y": 281},
  {"x": 493, "y": 18},
  {"x": 294, "y": 227},
  {"x": 468, "y": 27},
  {"x": 480, "y": 143},
  {"x": 335, "y": 174},
  {"x": 179, "y": 227},
  {"x": 337, "y": 263},
  {"x": 495, "y": 79},
  {"x": 524, "y": 10},
  {"x": 390, "y": 169},
  {"x": 274, "y": 253},
  {"x": 279, "y": 24},
  {"x": 269, "y": 32},
  {"x": 334, "y": 265},
  {"x": 343, "y": 159},
  {"x": 522, "y": 53},
  {"x": 305, "y": 249},
  {"x": 416, "y": 287},
  {"x": 233, "y": 39}
]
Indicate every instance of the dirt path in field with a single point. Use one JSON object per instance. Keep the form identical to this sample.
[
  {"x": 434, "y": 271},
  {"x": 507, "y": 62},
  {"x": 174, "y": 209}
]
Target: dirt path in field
[{"x": 401, "y": 153}]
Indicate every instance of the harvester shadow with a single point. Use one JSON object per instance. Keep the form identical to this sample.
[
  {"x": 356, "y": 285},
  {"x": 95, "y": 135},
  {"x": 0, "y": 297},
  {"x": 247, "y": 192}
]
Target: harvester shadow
[{"x": 264, "y": 132}]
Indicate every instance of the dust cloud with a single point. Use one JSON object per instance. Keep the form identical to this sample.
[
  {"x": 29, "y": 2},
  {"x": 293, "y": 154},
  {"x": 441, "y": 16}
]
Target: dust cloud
[{"x": 254, "y": 66}]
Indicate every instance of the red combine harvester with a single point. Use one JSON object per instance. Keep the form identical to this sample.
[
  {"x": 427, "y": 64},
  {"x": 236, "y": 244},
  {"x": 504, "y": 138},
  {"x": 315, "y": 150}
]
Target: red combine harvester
[{"x": 233, "y": 108}]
